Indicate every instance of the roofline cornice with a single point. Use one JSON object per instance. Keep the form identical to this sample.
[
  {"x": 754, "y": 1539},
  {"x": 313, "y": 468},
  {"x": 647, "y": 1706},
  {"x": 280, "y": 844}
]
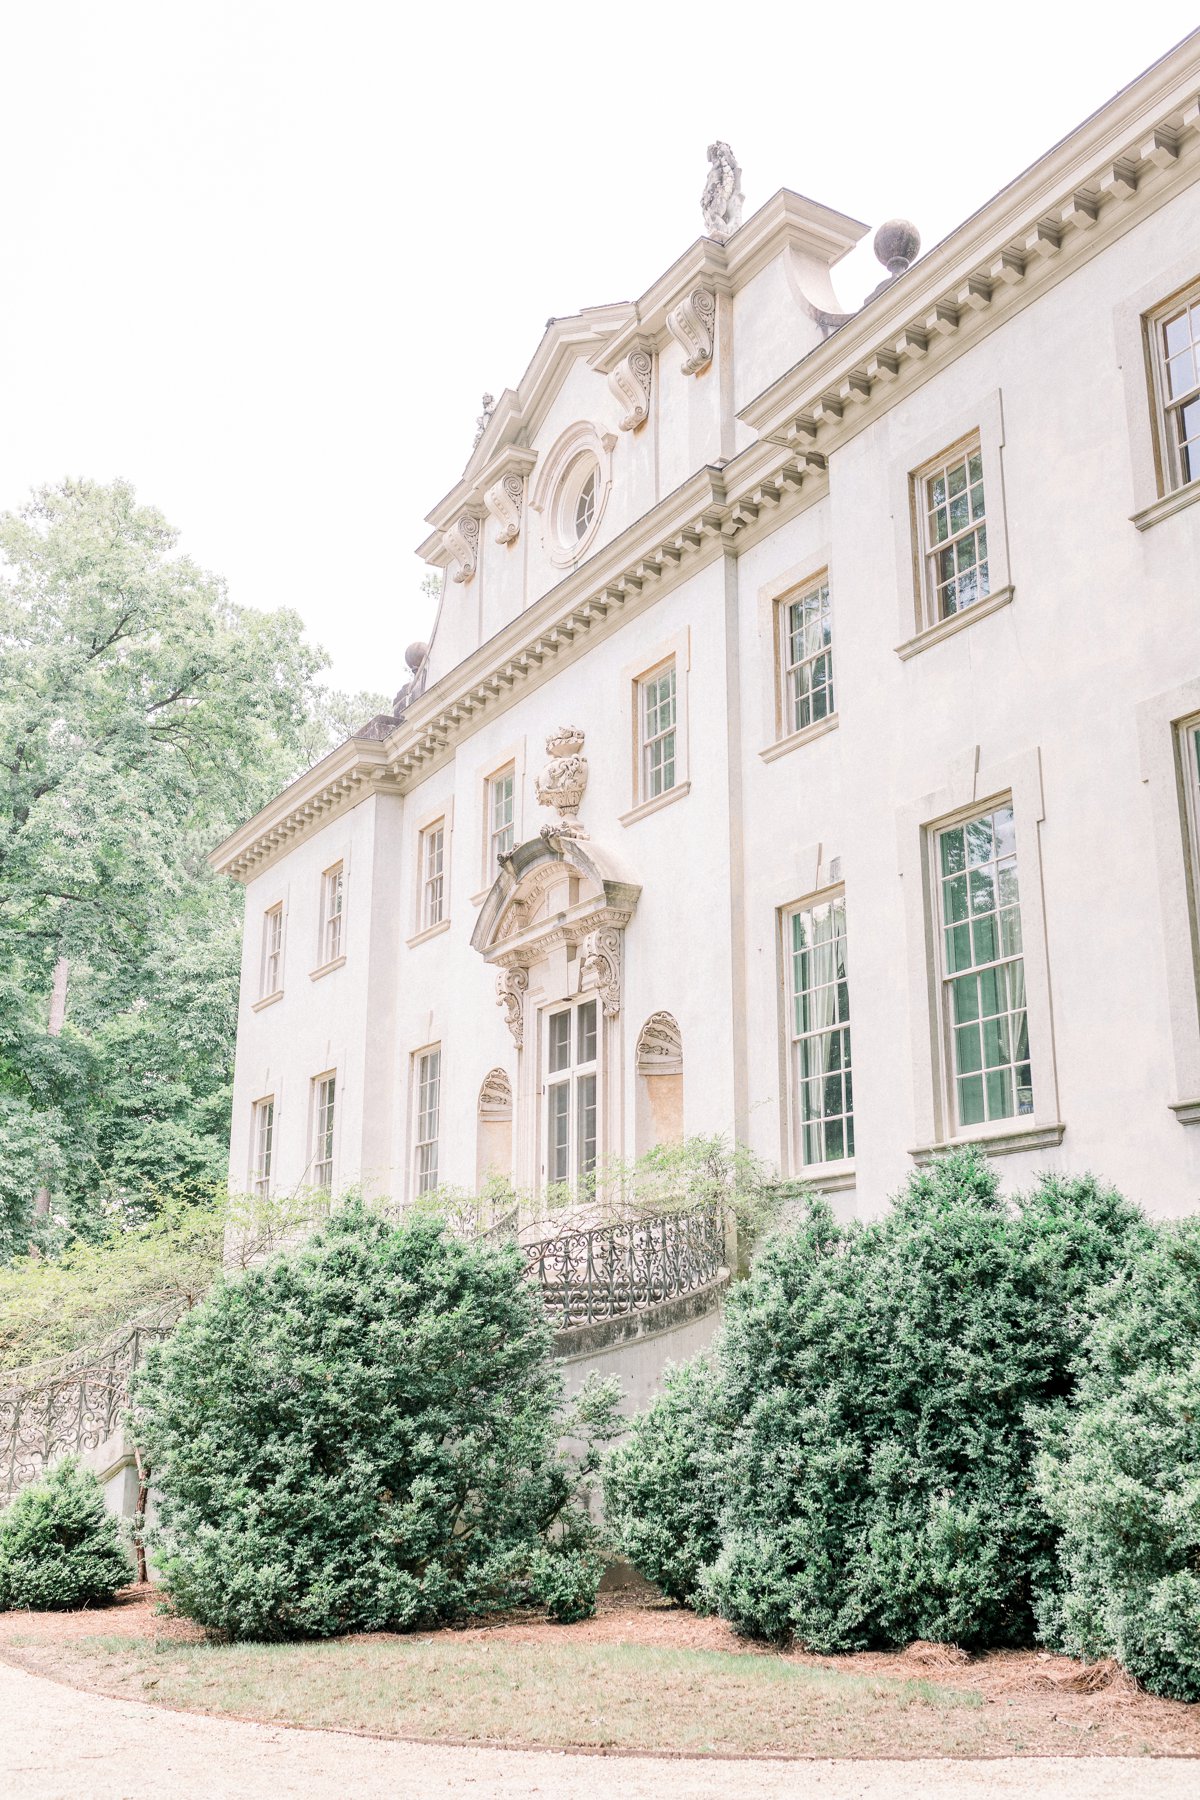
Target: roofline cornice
[
  {"x": 1120, "y": 157},
  {"x": 1133, "y": 156},
  {"x": 354, "y": 771}
]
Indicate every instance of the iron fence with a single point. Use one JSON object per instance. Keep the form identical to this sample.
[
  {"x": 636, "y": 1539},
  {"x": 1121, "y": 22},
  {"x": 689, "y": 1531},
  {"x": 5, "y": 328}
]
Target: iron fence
[{"x": 69, "y": 1406}]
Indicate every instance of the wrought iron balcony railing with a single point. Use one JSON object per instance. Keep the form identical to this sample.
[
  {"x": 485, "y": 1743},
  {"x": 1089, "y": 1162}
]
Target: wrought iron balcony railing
[{"x": 590, "y": 1275}]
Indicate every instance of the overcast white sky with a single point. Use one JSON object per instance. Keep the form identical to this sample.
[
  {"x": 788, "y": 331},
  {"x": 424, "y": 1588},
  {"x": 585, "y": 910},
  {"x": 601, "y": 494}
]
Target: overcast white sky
[{"x": 263, "y": 258}]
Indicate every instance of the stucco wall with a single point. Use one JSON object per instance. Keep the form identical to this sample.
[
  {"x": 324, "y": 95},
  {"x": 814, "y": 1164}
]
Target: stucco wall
[{"x": 1103, "y": 617}]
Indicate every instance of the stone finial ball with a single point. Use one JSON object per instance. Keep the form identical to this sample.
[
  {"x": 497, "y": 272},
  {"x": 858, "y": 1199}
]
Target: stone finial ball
[
  {"x": 897, "y": 244},
  {"x": 415, "y": 655}
]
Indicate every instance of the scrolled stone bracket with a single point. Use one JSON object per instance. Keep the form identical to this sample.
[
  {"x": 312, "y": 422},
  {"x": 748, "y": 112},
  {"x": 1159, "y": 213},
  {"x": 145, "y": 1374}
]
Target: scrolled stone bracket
[
  {"x": 505, "y": 500},
  {"x": 600, "y": 961},
  {"x": 462, "y": 541},
  {"x": 630, "y": 383},
  {"x": 693, "y": 325},
  {"x": 511, "y": 986}
]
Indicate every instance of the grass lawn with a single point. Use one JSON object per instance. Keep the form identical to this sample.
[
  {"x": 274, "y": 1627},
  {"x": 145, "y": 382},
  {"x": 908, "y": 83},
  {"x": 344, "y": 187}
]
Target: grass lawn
[{"x": 611, "y": 1684}]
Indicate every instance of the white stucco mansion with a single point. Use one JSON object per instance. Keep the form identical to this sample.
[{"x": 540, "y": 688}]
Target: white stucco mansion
[{"x": 808, "y": 745}]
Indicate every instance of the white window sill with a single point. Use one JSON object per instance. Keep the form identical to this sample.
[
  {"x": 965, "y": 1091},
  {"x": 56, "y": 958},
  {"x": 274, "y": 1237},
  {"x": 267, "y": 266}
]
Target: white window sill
[
  {"x": 1186, "y": 1111},
  {"x": 1170, "y": 503},
  {"x": 946, "y": 628},
  {"x": 1010, "y": 1141},
  {"x": 794, "y": 741},
  {"x": 430, "y": 931},
  {"x": 647, "y": 807},
  {"x": 827, "y": 1178},
  {"x": 326, "y": 968},
  {"x": 267, "y": 1000}
]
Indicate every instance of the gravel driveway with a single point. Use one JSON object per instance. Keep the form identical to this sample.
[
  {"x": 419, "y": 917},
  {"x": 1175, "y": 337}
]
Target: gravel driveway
[{"x": 58, "y": 1743}]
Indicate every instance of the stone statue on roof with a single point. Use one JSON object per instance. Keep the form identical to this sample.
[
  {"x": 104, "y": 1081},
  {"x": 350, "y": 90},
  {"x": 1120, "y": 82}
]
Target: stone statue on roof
[
  {"x": 721, "y": 201},
  {"x": 485, "y": 418}
]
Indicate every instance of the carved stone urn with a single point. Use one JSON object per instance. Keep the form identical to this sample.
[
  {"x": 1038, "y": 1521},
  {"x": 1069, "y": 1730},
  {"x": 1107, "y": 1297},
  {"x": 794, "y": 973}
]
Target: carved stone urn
[{"x": 562, "y": 782}]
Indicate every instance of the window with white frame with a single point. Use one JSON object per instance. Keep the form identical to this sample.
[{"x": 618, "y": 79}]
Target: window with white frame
[
  {"x": 501, "y": 811},
  {"x": 954, "y": 532},
  {"x": 1189, "y": 755},
  {"x": 819, "y": 991},
  {"x": 1177, "y": 360},
  {"x": 427, "y": 1110},
  {"x": 271, "y": 974},
  {"x": 806, "y": 649},
  {"x": 262, "y": 1146},
  {"x": 333, "y": 903},
  {"x": 657, "y": 726},
  {"x": 572, "y": 1052},
  {"x": 324, "y": 1106},
  {"x": 433, "y": 875},
  {"x": 983, "y": 968}
]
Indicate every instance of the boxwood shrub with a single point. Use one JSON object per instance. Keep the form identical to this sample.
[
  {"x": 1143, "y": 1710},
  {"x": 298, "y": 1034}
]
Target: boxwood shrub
[
  {"x": 364, "y": 1434},
  {"x": 1122, "y": 1478},
  {"x": 866, "y": 1448},
  {"x": 59, "y": 1548}
]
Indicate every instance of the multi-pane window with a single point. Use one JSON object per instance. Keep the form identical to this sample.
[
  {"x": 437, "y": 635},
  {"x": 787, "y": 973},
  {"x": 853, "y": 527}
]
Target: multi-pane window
[
  {"x": 807, "y": 648},
  {"x": 324, "y": 1102},
  {"x": 822, "y": 1083},
  {"x": 262, "y": 1146},
  {"x": 272, "y": 953},
  {"x": 501, "y": 814},
  {"x": 333, "y": 902},
  {"x": 983, "y": 970},
  {"x": 1178, "y": 332},
  {"x": 433, "y": 875},
  {"x": 1189, "y": 747},
  {"x": 572, "y": 1051},
  {"x": 956, "y": 552},
  {"x": 585, "y": 505},
  {"x": 428, "y": 1113},
  {"x": 656, "y": 704}
]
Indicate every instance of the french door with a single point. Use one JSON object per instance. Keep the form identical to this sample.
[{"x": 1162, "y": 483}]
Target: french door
[{"x": 572, "y": 1075}]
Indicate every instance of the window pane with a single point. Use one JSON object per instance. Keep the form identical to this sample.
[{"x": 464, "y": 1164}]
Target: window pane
[
  {"x": 985, "y": 1009},
  {"x": 559, "y": 1117},
  {"x": 560, "y": 1041},
  {"x": 587, "y": 1032},
  {"x": 820, "y": 997},
  {"x": 586, "y": 1123}
]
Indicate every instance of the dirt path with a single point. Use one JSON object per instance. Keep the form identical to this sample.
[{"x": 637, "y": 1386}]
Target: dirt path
[{"x": 58, "y": 1743}]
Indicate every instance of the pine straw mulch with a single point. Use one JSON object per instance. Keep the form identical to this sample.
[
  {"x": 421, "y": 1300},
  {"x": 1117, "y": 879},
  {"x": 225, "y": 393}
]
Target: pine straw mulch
[{"x": 1033, "y": 1698}]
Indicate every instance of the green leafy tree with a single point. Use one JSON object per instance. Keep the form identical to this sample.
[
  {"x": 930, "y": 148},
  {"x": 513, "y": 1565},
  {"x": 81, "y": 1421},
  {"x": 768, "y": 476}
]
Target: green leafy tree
[
  {"x": 142, "y": 716},
  {"x": 879, "y": 1392},
  {"x": 59, "y": 1548},
  {"x": 364, "y": 1435},
  {"x": 1122, "y": 1477}
]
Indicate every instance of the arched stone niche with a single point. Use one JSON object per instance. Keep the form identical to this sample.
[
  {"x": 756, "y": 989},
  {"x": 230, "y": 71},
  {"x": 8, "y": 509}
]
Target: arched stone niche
[
  {"x": 494, "y": 1132},
  {"x": 553, "y": 928},
  {"x": 659, "y": 1104}
]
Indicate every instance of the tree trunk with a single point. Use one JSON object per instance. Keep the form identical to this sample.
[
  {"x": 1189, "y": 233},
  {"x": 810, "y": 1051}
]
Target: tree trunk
[
  {"x": 139, "y": 1516},
  {"x": 58, "y": 1018}
]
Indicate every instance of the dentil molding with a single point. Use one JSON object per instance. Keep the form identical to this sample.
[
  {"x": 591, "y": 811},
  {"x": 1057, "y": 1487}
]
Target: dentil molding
[{"x": 693, "y": 324}]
